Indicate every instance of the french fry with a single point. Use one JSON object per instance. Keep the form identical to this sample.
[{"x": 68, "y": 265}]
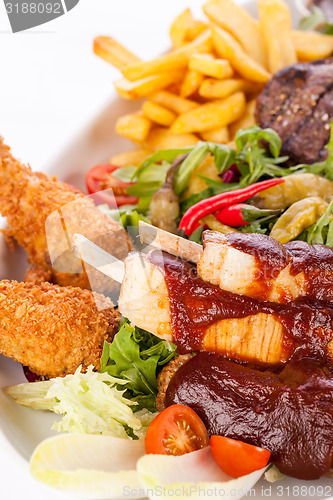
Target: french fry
[
  {"x": 208, "y": 65},
  {"x": 179, "y": 28},
  {"x": 158, "y": 114},
  {"x": 113, "y": 52},
  {"x": 194, "y": 30},
  {"x": 246, "y": 121},
  {"x": 311, "y": 45},
  {"x": 176, "y": 59},
  {"x": 173, "y": 102},
  {"x": 134, "y": 157},
  {"x": 133, "y": 126},
  {"x": 228, "y": 48},
  {"x": 191, "y": 83},
  {"x": 275, "y": 22},
  {"x": 160, "y": 138},
  {"x": 214, "y": 89},
  {"x": 236, "y": 20},
  {"x": 220, "y": 135},
  {"x": 209, "y": 116},
  {"x": 146, "y": 86}
]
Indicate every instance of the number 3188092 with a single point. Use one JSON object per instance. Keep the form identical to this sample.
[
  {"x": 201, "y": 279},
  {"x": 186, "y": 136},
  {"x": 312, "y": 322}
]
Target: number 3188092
[{"x": 33, "y": 8}]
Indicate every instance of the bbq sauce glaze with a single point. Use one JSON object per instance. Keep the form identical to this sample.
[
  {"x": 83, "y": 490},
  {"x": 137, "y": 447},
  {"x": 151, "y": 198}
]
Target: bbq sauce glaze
[
  {"x": 196, "y": 304},
  {"x": 290, "y": 414},
  {"x": 314, "y": 261}
]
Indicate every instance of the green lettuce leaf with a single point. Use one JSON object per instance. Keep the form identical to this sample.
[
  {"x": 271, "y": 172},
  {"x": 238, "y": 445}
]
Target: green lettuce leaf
[{"x": 135, "y": 357}]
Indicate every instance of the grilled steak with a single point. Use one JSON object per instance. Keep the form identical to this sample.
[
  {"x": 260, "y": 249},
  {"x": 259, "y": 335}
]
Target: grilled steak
[{"x": 298, "y": 104}]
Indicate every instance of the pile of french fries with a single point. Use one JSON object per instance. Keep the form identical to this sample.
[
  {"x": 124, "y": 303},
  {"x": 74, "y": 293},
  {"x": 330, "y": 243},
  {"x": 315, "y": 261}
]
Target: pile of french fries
[{"x": 206, "y": 86}]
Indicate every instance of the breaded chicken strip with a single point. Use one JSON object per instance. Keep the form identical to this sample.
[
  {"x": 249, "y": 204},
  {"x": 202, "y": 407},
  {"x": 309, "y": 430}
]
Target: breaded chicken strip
[
  {"x": 43, "y": 214},
  {"x": 51, "y": 329}
]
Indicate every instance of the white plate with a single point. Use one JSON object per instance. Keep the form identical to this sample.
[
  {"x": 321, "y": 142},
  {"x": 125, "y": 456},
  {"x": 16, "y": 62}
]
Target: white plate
[{"x": 22, "y": 429}]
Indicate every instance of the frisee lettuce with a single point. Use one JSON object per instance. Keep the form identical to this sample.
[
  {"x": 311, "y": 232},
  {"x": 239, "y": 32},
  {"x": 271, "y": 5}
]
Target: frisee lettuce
[
  {"x": 91, "y": 403},
  {"x": 135, "y": 357}
]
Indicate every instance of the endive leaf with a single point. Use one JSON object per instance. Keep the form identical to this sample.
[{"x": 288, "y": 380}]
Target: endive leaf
[
  {"x": 194, "y": 475},
  {"x": 91, "y": 466}
]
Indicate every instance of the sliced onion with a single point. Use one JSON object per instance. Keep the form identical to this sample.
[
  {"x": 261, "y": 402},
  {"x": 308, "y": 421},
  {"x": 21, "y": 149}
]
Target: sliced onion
[
  {"x": 195, "y": 475},
  {"x": 90, "y": 466}
]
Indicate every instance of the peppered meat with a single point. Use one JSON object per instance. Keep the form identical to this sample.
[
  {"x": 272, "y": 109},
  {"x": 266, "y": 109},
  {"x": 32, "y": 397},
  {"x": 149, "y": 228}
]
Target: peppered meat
[
  {"x": 53, "y": 330},
  {"x": 43, "y": 214},
  {"x": 166, "y": 375},
  {"x": 298, "y": 104}
]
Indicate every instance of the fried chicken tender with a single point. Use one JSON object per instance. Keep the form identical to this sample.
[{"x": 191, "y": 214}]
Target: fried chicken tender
[
  {"x": 51, "y": 329},
  {"x": 43, "y": 214}
]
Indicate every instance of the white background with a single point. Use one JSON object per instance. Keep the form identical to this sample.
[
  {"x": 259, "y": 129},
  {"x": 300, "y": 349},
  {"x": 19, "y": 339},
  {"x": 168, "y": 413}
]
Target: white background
[{"x": 51, "y": 87}]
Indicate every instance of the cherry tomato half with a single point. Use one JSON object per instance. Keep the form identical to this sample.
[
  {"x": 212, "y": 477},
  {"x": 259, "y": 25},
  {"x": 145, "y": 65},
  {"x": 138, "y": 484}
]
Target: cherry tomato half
[
  {"x": 100, "y": 178},
  {"x": 237, "y": 458},
  {"x": 175, "y": 431}
]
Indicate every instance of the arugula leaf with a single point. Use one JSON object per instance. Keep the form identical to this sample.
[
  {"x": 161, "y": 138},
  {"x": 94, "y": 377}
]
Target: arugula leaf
[
  {"x": 185, "y": 170},
  {"x": 136, "y": 357},
  {"x": 196, "y": 236},
  {"x": 127, "y": 215},
  {"x": 124, "y": 174},
  {"x": 168, "y": 155}
]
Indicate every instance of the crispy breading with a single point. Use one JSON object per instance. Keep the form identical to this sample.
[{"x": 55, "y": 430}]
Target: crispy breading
[
  {"x": 51, "y": 329},
  {"x": 37, "y": 276},
  {"x": 31, "y": 200}
]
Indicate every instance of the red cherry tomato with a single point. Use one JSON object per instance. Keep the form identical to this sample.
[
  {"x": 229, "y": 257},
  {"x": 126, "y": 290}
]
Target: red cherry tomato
[
  {"x": 100, "y": 178},
  {"x": 237, "y": 458},
  {"x": 175, "y": 431}
]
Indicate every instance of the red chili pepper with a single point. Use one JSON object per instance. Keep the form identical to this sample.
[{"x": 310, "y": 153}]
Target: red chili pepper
[
  {"x": 232, "y": 216},
  {"x": 242, "y": 214},
  {"x": 219, "y": 201}
]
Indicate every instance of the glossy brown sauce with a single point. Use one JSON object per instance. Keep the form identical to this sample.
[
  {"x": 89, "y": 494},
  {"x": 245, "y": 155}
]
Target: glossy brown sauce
[
  {"x": 315, "y": 261},
  {"x": 196, "y": 304},
  {"x": 290, "y": 414}
]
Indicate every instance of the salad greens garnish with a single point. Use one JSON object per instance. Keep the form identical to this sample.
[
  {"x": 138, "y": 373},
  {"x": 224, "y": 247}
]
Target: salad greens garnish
[
  {"x": 136, "y": 357},
  {"x": 91, "y": 403},
  {"x": 317, "y": 20}
]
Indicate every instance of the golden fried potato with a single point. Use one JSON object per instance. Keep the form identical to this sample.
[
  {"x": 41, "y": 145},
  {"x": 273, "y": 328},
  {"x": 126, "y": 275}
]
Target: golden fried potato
[
  {"x": 173, "y": 60},
  {"x": 194, "y": 30},
  {"x": 237, "y": 21},
  {"x": 228, "y": 48},
  {"x": 212, "y": 115},
  {"x": 208, "y": 65},
  {"x": 134, "y": 157},
  {"x": 173, "y": 102},
  {"x": 275, "y": 22},
  {"x": 146, "y": 86},
  {"x": 133, "y": 127},
  {"x": 179, "y": 28},
  {"x": 161, "y": 138},
  {"x": 114, "y": 52},
  {"x": 220, "y": 135},
  {"x": 191, "y": 83},
  {"x": 311, "y": 45},
  {"x": 158, "y": 114},
  {"x": 215, "y": 89},
  {"x": 246, "y": 121}
]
